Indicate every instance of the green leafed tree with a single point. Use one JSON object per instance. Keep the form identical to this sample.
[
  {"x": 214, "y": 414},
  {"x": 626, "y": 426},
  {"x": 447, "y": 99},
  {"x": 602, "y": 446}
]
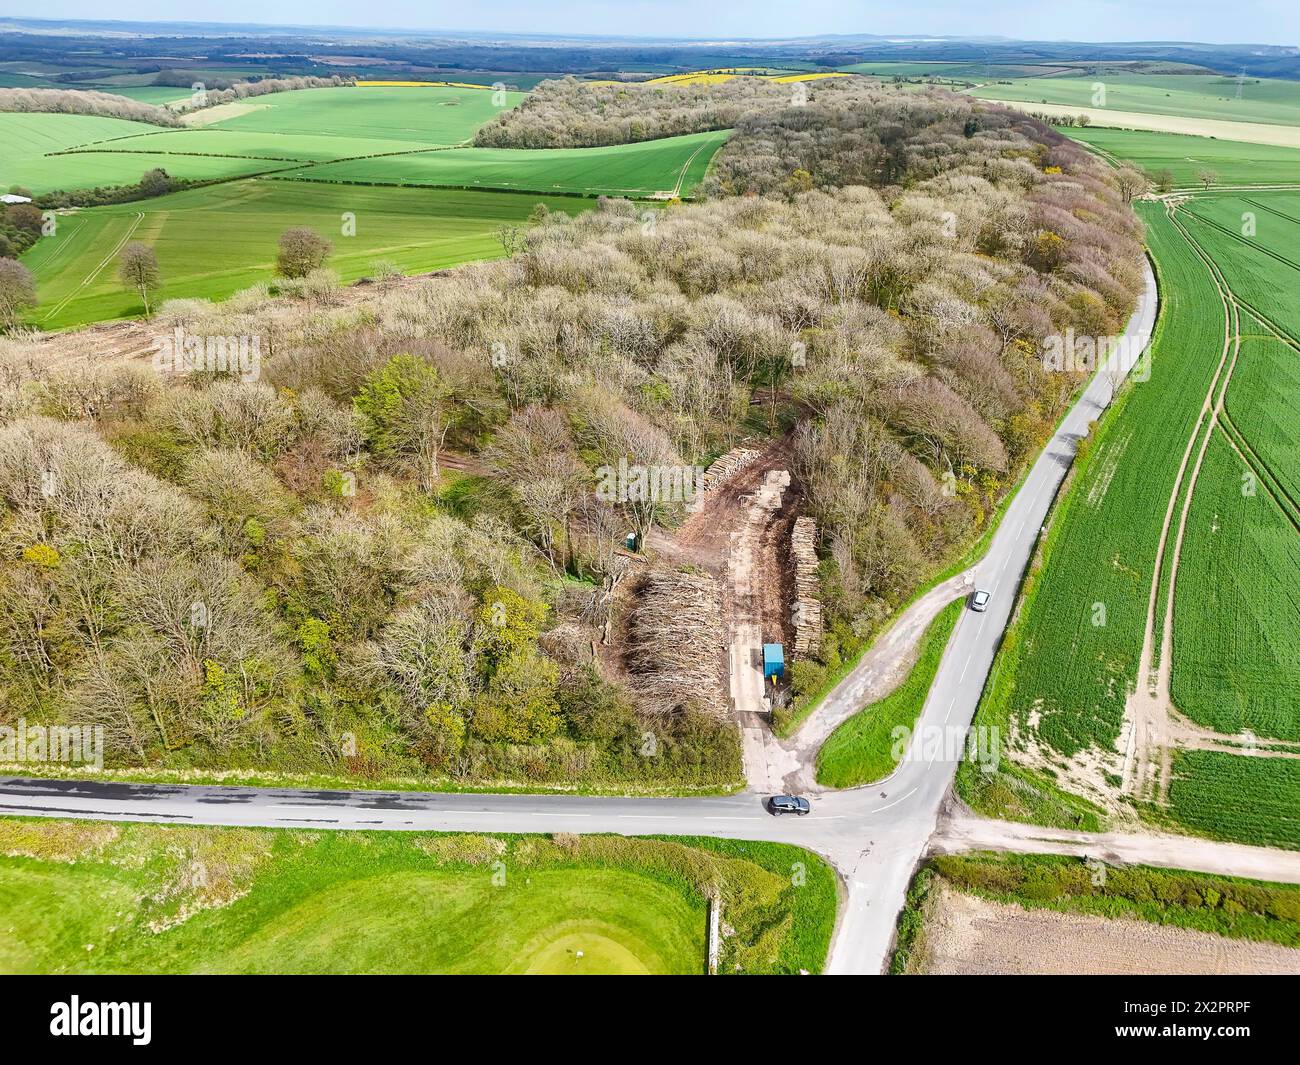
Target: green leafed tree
[
  {"x": 301, "y": 251},
  {"x": 407, "y": 411}
]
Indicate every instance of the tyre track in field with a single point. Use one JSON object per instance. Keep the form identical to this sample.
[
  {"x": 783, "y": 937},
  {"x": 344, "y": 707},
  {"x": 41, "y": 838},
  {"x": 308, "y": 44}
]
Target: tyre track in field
[
  {"x": 90, "y": 277},
  {"x": 1157, "y": 727},
  {"x": 1146, "y": 711}
]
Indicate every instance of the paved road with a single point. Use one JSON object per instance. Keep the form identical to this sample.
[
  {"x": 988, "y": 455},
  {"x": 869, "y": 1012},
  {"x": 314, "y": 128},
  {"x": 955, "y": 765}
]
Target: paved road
[{"x": 874, "y": 835}]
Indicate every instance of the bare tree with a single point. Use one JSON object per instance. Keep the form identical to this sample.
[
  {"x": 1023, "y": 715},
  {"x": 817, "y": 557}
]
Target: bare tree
[
  {"x": 17, "y": 292},
  {"x": 1131, "y": 182},
  {"x": 138, "y": 269}
]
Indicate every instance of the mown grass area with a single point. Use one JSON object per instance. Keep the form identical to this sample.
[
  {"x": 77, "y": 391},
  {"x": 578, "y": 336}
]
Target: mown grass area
[
  {"x": 1233, "y": 797},
  {"x": 670, "y": 165},
  {"x": 1271, "y": 100},
  {"x": 83, "y": 897},
  {"x": 1185, "y": 156},
  {"x": 865, "y": 747},
  {"x": 216, "y": 240},
  {"x": 1228, "y": 906}
]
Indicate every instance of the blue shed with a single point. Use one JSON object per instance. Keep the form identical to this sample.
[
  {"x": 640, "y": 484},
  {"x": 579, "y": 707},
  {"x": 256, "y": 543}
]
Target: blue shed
[{"x": 773, "y": 661}]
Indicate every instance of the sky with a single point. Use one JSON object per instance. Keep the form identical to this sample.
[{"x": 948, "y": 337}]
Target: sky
[{"x": 1212, "y": 21}]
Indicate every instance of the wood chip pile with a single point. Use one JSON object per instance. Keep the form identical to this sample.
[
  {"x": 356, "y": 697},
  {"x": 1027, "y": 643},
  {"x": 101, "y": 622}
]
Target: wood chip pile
[
  {"x": 807, "y": 610},
  {"x": 674, "y": 646}
]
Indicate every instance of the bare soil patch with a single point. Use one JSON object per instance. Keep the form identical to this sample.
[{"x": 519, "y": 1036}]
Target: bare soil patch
[{"x": 965, "y": 935}]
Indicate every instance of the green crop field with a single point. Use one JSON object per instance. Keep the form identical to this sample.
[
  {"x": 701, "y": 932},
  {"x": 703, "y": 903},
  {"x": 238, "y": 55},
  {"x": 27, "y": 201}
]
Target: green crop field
[
  {"x": 1185, "y": 156},
  {"x": 971, "y": 71},
  {"x": 1253, "y": 800},
  {"x": 217, "y": 240},
  {"x": 863, "y": 748},
  {"x": 26, "y": 138},
  {"x": 250, "y": 144},
  {"x": 1270, "y": 100},
  {"x": 426, "y": 117},
  {"x": 673, "y": 165},
  {"x": 158, "y": 95},
  {"x": 308, "y": 125},
  {"x": 1056, "y": 662},
  {"x": 81, "y": 897},
  {"x": 1262, "y": 396},
  {"x": 1263, "y": 268},
  {"x": 1070, "y": 658},
  {"x": 1237, "y": 603},
  {"x": 356, "y": 144}
]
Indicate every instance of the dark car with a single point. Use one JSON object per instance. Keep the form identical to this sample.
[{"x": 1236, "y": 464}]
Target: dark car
[
  {"x": 979, "y": 602},
  {"x": 788, "y": 804}
]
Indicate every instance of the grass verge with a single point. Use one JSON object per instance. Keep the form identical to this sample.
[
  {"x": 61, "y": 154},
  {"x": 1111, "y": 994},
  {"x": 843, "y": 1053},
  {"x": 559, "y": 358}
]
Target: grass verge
[{"x": 863, "y": 748}]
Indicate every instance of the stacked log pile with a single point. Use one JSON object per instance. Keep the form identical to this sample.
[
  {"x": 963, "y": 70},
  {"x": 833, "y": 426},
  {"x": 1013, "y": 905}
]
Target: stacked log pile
[
  {"x": 807, "y": 610},
  {"x": 733, "y": 461},
  {"x": 675, "y": 637}
]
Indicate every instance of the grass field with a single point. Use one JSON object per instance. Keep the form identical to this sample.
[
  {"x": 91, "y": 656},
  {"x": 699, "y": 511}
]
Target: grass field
[
  {"x": 863, "y": 748},
  {"x": 252, "y": 144},
  {"x": 671, "y": 165},
  {"x": 214, "y": 241},
  {"x": 26, "y": 138},
  {"x": 100, "y": 898},
  {"x": 1235, "y": 162},
  {"x": 1268, "y": 100},
  {"x": 971, "y": 71}
]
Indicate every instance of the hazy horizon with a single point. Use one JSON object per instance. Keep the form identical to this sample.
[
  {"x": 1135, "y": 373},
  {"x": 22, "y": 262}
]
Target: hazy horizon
[{"x": 1267, "y": 22}]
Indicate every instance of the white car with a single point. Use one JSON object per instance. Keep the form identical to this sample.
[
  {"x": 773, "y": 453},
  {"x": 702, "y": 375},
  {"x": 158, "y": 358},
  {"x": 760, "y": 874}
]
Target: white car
[{"x": 979, "y": 602}]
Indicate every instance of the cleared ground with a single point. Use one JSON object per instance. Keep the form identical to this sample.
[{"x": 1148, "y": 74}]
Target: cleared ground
[{"x": 965, "y": 935}]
